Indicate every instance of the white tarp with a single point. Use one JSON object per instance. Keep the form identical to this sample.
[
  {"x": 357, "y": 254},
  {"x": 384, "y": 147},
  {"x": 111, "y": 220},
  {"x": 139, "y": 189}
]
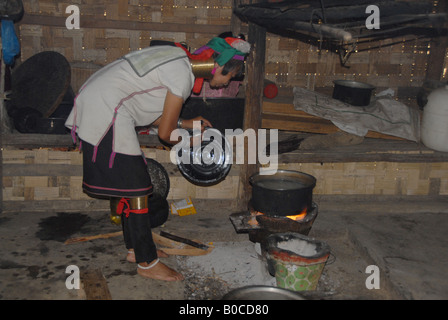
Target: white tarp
[{"x": 384, "y": 114}]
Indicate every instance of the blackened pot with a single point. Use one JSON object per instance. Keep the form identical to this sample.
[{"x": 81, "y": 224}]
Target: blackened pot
[
  {"x": 283, "y": 193},
  {"x": 353, "y": 92}
]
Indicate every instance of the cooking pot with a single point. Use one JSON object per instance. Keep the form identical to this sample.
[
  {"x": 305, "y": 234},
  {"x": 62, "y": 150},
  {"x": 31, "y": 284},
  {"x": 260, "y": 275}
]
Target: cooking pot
[
  {"x": 283, "y": 193},
  {"x": 353, "y": 92},
  {"x": 209, "y": 163}
]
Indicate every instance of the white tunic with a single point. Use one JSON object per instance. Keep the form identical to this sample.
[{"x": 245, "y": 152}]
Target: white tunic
[{"x": 116, "y": 96}]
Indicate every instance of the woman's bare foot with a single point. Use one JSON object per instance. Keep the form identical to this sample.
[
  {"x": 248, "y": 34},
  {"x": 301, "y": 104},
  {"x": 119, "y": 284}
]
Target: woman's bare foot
[
  {"x": 131, "y": 255},
  {"x": 158, "y": 271}
]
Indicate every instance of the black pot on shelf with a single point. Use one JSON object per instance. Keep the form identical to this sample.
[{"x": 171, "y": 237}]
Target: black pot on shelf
[{"x": 353, "y": 92}]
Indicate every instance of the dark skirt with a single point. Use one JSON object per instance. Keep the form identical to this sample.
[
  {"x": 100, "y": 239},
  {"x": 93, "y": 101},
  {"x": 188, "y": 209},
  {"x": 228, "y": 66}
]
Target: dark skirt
[{"x": 114, "y": 175}]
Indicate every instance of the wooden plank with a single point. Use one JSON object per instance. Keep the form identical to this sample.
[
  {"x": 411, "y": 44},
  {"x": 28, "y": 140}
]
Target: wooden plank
[
  {"x": 296, "y": 124},
  {"x": 23, "y": 140},
  {"x": 341, "y": 156},
  {"x": 86, "y": 22},
  {"x": 310, "y": 125},
  {"x": 280, "y": 114},
  {"x": 371, "y": 150},
  {"x": 95, "y": 285},
  {"x": 56, "y": 170}
]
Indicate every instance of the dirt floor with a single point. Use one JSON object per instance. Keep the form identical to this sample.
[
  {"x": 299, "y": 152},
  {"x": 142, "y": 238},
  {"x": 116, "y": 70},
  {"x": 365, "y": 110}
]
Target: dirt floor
[{"x": 406, "y": 241}]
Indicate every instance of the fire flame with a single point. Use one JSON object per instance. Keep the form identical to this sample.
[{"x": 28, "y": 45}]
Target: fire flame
[
  {"x": 299, "y": 216},
  {"x": 296, "y": 217}
]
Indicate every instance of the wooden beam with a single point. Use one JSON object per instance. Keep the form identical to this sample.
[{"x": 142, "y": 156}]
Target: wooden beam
[
  {"x": 91, "y": 22},
  {"x": 254, "y": 100},
  {"x": 35, "y": 140}
]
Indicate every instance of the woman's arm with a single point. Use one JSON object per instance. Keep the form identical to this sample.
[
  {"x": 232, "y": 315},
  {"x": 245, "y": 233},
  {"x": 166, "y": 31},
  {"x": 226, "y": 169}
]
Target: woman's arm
[
  {"x": 167, "y": 123},
  {"x": 170, "y": 115}
]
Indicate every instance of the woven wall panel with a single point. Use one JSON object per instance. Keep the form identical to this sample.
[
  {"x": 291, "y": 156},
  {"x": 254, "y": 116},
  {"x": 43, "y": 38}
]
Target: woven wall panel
[
  {"x": 377, "y": 178},
  {"x": 351, "y": 178},
  {"x": 289, "y": 62}
]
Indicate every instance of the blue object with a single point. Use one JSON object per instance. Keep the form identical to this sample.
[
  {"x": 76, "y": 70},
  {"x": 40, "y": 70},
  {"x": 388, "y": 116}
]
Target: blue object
[{"x": 10, "y": 42}]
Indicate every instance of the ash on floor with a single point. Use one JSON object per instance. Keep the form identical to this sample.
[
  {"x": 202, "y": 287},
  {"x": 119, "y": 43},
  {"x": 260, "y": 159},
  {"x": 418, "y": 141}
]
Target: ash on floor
[{"x": 229, "y": 266}]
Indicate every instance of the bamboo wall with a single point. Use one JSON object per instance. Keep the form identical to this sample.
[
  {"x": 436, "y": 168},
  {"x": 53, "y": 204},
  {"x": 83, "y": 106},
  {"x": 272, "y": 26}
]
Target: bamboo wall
[
  {"x": 45, "y": 179},
  {"x": 376, "y": 178},
  {"x": 110, "y": 29},
  {"x": 401, "y": 66},
  {"x": 51, "y": 179}
]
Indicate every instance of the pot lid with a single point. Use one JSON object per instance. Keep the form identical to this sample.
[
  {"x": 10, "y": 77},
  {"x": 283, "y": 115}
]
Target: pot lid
[{"x": 207, "y": 164}]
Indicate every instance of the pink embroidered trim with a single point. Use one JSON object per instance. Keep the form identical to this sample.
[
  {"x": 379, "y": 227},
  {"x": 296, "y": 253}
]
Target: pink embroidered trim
[{"x": 111, "y": 160}]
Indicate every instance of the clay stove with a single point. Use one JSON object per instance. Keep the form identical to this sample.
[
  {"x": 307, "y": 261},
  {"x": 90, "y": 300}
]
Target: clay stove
[{"x": 285, "y": 198}]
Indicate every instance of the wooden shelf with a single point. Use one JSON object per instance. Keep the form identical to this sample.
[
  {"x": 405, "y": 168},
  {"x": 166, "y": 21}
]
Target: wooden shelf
[
  {"x": 279, "y": 113},
  {"x": 32, "y": 140},
  {"x": 370, "y": 150}
]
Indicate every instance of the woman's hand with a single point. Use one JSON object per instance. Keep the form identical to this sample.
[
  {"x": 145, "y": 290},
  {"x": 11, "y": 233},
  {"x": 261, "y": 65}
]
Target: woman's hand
[{"x": 189, "y": 123}]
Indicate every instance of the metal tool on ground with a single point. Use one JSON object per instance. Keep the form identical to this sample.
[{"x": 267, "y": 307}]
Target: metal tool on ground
[{"x": 183, "y": 240}]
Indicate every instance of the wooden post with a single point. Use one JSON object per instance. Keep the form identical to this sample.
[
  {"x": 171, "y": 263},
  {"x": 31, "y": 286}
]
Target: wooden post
[
  {"x": 253, "y": 106},
  {"x": 2, "y": 121}
]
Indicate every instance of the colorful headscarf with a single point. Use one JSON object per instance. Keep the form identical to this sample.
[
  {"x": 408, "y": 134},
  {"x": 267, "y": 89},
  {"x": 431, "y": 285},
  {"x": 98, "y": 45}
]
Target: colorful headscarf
[{"x": 227, "y": 48}]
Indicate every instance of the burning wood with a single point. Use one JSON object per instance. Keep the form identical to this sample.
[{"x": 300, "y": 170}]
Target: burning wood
[
  {"x": 298, "y": 217},
  {"x": 260, "y": 225}
]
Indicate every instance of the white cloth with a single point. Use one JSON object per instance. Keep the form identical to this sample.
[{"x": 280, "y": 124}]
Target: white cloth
[
  {"x": 384, "y": 114},
  {"x": 117, "y": 96},
  {"x": 148, "y": 59}
]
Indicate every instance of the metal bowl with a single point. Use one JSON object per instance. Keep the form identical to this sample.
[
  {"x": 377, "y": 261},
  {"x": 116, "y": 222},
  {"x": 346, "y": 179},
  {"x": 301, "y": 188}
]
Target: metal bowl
[{"x": 262, "y": 293}]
